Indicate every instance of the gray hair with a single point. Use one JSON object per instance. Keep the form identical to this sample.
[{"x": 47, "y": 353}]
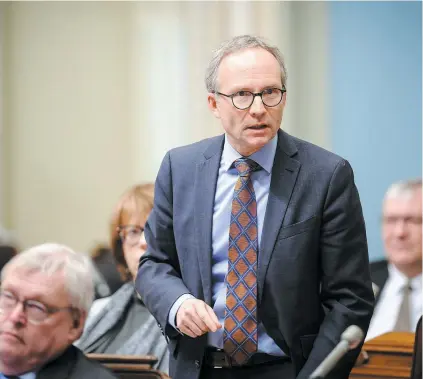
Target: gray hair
[
  {"x": 51, "y": 258},
  {"x": 403, "y": 188},
  {"x": 236, "y": 44}
]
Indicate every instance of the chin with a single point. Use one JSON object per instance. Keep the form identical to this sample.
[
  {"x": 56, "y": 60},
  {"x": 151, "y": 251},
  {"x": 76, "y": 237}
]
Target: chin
[
  {"x": 9, "y": 356},
  {"x": 258, "y": 142}
]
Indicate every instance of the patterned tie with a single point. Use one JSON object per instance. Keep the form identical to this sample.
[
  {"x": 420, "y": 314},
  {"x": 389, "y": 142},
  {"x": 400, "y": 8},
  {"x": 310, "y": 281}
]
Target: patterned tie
[{"x": 240, "y": 332}]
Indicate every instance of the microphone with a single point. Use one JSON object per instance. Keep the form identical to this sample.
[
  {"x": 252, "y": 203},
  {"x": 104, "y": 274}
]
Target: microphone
[{"x": 350, "y": 339}]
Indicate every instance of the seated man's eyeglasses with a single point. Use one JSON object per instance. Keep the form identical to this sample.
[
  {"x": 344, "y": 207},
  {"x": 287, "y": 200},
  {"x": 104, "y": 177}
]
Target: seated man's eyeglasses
[
  {"x": 271, "y": 97},
  {"x": 130, "y": 234},
  {"x": 35, "y": 311},
  {"x": 407, "y": 220}
]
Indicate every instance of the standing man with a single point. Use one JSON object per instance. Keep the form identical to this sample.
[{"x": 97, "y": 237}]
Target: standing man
[
  {"x": 257, "y": 258},
  {"x": 399, "y": 277}
]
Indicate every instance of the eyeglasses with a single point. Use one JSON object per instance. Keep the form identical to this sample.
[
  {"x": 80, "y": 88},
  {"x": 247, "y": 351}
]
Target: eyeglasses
[
  {"x": 408, "y": 220},
  {"x": 35, "y": 311},
  {"x": 131, "y": 234},
  {"x": 242, "y": 100}
]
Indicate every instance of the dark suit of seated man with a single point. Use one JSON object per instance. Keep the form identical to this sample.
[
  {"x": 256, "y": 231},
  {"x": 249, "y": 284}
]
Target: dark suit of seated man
[
  {"x": 399, "y": 278},
  {"x": 44, "y": 298}
]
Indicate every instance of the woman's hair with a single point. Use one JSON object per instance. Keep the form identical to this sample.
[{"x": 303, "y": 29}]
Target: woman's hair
[{"x": 133, "y": 207}]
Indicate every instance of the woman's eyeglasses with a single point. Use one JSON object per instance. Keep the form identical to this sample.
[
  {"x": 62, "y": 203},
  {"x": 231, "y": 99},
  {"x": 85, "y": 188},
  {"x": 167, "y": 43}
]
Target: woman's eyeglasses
[{"x": 130, "y": 234}]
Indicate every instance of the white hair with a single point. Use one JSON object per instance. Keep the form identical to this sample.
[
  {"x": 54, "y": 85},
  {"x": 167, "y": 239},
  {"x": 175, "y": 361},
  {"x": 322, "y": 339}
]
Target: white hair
[
  {"x": 404, "y": 188},
  {"x": 237, "y": 44},
  {"x": 52, "y": 258}
]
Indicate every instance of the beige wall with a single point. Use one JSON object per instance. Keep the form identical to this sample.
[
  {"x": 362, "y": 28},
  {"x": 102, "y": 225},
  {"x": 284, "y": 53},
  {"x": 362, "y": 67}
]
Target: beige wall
[
  {"x": 96, "y": 92},
  {"x": 2, "y": 136}
]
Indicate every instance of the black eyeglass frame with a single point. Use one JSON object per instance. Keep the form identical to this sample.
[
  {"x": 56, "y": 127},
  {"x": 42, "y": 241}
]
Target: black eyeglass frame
[
  {"x": 260, "y": 94},
  {"x": 45, "y": 308}
]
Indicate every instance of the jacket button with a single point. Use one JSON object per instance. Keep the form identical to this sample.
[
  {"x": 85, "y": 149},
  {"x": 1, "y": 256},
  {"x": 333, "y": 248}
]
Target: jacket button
[{"x": 197, "y": 364}]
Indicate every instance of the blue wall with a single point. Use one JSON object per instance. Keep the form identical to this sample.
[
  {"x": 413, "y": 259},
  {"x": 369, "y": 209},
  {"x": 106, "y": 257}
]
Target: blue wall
[{"x": 376, "y": 98}]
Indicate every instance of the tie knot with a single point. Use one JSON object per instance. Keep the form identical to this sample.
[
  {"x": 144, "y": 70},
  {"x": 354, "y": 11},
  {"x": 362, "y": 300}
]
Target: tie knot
[
  {"x": 407, "y": 287},
  {"x": 246, "y": 166}
]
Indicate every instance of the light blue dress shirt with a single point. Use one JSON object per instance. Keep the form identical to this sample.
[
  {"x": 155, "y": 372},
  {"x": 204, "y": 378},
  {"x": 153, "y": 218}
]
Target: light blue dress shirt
[
  {"x": 227, "y": 177},
  {"x": 28, "y": 375}
]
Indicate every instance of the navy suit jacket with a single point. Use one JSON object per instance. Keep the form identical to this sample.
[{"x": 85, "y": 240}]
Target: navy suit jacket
[{"x": 313, "y": 269}]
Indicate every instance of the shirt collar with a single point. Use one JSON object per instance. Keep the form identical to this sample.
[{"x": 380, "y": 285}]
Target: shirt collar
[
  {"x": 28, "y": 375},
  {"x": 401, "y": 279},
  {"x": 264, "y": 157}
]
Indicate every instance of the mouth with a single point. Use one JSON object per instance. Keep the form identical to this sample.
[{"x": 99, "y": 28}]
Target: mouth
[
  {"x": 257, "y": 127},
  {"x": 9, "y": 335}
]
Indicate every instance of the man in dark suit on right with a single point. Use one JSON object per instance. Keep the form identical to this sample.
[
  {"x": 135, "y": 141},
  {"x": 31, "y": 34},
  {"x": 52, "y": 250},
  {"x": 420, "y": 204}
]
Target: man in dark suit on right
[{"x": 399, "y": 277}]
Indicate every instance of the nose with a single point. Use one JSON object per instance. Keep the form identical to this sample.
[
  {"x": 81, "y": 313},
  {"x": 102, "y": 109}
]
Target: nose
[
  {"x": 257, "y": 107},
  {"x": 400, "y": 228},
  {"x": 17, "y": 314},
  {"x": 143, "y": 242}
]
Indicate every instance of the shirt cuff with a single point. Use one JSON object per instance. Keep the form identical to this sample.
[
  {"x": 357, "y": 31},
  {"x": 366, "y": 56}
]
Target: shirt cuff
[{"x": 175, "y": 308}]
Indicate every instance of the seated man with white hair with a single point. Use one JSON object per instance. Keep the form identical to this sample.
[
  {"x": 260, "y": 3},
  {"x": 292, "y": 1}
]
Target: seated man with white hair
[
  {"x": 399, "y": 277},
  {"x": 45, "y": 295}
]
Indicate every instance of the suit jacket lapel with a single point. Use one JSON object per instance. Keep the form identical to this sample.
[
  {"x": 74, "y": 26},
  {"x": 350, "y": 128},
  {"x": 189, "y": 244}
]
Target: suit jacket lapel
[
  {"x": 205, "y": 189},
  {"x": 284, "y": 175}
]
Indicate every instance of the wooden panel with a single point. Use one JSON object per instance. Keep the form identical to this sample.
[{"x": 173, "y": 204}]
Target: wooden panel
[
  {"x": 130, "y": 366},
  {"x": 113, "y": 359},
  {"x": 388, "y": 356}
]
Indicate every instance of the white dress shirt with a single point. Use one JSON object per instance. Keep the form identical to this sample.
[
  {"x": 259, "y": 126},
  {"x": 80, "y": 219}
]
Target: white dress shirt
[{"x": 388, "y": 306}]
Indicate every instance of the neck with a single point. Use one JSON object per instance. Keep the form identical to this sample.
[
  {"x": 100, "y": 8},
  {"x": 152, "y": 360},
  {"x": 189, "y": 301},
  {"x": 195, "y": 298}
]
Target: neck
[{"x": 410, "y": 271}]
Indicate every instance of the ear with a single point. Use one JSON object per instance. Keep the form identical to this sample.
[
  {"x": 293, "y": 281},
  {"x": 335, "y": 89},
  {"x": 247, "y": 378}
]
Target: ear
[
  {"x": 77, "y": 326},
  {"x": 284, "y": 98},
  {"x": 211, "y": 98}
]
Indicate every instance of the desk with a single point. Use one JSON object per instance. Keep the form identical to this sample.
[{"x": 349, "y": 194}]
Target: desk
[{"x": 389, "y": 356}]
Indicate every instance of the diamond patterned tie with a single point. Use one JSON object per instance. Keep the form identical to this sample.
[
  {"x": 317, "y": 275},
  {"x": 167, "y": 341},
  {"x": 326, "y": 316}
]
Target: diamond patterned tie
[{"x": 240, "y": 326}]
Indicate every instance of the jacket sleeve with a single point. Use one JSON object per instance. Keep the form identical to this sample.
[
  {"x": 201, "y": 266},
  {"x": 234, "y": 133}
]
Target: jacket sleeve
[
  {"x": 346, "y": 288},
  {"x": 159, "y": 280}
]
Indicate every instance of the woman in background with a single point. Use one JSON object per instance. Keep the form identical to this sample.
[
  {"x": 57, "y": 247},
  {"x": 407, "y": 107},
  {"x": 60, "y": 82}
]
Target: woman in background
[{"x": 121, "y": 324}]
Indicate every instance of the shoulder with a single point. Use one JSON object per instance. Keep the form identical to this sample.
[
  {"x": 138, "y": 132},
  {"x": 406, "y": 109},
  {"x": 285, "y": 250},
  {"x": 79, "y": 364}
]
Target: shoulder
[
  {"x": 196, "y": 151},
  {"x": 310, "y": 154},
  {"x": 318, "y": 165},
  {"x": 379, "y": 272},
  {"x": 87, "y": 368},
  {"x": 97, "y": 306}
]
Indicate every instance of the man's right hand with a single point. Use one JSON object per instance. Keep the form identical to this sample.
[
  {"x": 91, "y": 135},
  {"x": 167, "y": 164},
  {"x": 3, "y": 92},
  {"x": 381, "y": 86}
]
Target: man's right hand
[{"x": 195, "y": 318}]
